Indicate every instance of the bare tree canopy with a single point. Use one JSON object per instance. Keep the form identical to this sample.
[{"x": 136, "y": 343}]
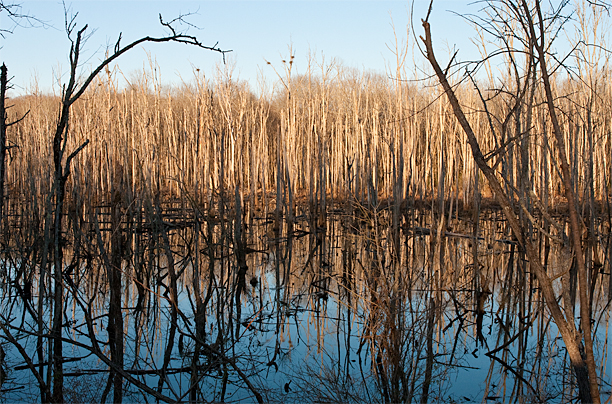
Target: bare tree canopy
[
  {"x": 524, "y": 33},
  {"x": 18, "y": 18}
]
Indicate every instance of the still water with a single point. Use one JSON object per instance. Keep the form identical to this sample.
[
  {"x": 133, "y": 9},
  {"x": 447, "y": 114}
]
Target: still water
[{"x": 344, "y": 309}]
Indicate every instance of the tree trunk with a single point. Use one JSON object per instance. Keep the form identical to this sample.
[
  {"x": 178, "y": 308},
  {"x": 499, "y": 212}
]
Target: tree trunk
[{"x": 566, "y": 327}]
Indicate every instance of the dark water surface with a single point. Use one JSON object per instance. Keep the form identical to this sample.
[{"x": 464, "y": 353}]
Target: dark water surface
[{"x": 357, "y": 305}]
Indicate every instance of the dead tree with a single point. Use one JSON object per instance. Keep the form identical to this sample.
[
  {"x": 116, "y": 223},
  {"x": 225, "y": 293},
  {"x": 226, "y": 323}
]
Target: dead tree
[
  {"x": 71, "y": 92},
  {"x": 4, "y": 143},
  {"x": 534, "y": 33},
  {"x": 3, "y": 126}
]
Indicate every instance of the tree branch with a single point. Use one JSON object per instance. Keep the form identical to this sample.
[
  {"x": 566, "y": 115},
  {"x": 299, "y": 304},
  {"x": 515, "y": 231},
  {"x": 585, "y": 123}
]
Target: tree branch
[{"x": 175, "y": 36}]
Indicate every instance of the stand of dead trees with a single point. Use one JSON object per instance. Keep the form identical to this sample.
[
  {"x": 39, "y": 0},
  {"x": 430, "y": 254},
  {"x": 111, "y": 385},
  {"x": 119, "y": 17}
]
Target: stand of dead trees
[
  {"x": 164, "y": 242},
  {"x": 525, "y": 32},
  {"x": 49, "y": 371}
]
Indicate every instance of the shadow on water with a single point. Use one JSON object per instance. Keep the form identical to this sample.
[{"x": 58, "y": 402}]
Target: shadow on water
[{"x": 222, "y": 302}]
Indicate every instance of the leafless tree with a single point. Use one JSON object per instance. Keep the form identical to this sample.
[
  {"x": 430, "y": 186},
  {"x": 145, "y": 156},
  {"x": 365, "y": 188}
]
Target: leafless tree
[
  {"x": 53, "y": 390},
  {"x": 17, "y": 17},
  {"x": 525, "y": 31}
]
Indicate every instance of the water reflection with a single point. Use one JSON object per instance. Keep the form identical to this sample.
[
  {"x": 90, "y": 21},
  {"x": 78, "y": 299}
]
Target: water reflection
[{"x": 349, "y": 306}]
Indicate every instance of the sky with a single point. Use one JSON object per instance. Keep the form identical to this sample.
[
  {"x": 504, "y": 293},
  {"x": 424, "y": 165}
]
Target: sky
[{"x": 356, "y": 34}]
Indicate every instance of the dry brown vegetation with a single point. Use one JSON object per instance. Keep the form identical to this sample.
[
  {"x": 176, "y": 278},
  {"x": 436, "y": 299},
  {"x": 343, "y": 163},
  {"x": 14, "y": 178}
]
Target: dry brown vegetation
[
  {"x": 180, "y": 197},
  {"x": 341, "y": 134}
]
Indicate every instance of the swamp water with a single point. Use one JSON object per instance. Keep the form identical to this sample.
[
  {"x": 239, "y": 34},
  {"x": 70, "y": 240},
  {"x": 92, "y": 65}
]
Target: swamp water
[{"x": 357, "y": 305}]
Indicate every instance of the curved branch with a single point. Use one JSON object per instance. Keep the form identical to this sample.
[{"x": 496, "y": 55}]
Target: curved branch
[{"x": 118, "y": 51}]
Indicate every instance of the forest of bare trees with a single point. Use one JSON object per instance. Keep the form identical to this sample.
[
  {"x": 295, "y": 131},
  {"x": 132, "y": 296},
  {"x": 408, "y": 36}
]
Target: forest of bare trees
[{"x": 187, "y": 243}]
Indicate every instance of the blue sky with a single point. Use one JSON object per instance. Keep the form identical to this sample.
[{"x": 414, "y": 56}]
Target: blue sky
[{"x": 356, "y": 33}]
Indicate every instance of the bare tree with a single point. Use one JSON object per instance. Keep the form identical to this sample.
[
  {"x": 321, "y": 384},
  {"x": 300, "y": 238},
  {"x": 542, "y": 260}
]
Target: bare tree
[
  {"x": 534, "y": 29},
  {"x": 17, "y": 18},
  {"x": 53, "y": 389}
]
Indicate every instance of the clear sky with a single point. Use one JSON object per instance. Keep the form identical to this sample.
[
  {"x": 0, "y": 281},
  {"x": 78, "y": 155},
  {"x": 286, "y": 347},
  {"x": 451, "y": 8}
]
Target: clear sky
[{"x": 356, "y": 33}]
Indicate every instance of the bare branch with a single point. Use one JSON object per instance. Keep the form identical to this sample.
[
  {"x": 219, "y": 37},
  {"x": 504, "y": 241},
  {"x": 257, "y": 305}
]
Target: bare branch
[
  {"x": 117, "y": 44},
  {"x": 566, "y": 326},
  {"x": 604, "y": 5},
  {"x": 18, "y": 18},
  {"x": 176, "y": 36}
]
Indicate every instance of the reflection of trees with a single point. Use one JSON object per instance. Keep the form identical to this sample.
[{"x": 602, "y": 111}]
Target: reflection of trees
[
  {"x": 337, "y": 314},
  {"x": 141, "y": 260}
]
